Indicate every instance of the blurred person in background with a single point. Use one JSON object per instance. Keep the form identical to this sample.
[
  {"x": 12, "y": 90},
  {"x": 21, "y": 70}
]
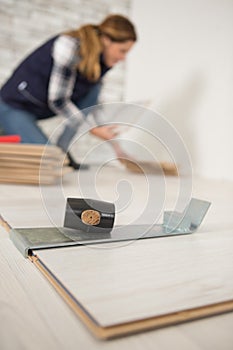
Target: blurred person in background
[{"x": 63, "y": 77}]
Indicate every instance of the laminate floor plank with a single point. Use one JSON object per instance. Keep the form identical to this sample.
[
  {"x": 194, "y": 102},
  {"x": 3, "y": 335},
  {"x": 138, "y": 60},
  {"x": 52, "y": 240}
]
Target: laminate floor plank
[{"x": 146, "y": 278}]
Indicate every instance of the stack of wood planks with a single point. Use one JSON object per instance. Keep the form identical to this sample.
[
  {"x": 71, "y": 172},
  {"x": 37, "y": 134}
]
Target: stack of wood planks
[{"x": 31, "y": 163}]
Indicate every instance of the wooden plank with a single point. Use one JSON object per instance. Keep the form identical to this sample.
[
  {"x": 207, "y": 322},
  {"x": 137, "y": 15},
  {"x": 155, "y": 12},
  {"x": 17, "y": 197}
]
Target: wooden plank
[
  {"x": 125, "y": 290},
  {"x": 30, "y": 149},
  {"x": 19, "y": 165},
  {"x": 31, "y": 164},
  {"x": 32, "y": 176},
  {"x": 27, "y": 181},
  {"x": 19, "y": 161},
  {"x": 150, "y": 167},
  {"x": 135, "y": 326},
  {"x": 33, "y": 171}
]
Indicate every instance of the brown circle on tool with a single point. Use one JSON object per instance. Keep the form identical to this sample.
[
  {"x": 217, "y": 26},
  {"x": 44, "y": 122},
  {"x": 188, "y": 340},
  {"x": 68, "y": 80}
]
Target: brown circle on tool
[{"x": 90, "y": 217}]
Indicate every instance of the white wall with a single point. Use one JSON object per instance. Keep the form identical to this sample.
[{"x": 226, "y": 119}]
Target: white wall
[{"x": 183, "y": 64}]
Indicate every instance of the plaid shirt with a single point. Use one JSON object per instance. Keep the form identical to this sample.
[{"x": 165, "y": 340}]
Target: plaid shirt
[
  {"x": 61, "y": 84},
  {"x": 63, "y": 77}
]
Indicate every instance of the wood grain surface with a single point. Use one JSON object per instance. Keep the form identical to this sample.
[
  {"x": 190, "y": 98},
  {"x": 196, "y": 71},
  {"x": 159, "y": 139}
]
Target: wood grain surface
[{"x": 31, "y": 164}]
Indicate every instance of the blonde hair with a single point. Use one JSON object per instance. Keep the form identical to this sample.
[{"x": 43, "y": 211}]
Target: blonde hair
[{"x": 116, "y": 27}]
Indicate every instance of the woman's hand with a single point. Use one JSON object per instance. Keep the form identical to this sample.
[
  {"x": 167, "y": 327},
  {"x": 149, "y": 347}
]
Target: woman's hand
[
  {"x": 120, "y": 153},
  {"x": 109, "y": 132},
  {"x": 106, "y": 132}
]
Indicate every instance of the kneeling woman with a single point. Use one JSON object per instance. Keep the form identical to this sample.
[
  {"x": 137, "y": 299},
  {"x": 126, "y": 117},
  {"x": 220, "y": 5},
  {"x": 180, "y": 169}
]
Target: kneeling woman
[{"x": 62, "y": 77}]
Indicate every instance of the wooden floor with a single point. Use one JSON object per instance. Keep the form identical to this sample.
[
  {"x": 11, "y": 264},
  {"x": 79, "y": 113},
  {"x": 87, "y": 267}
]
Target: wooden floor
[{"x": 33, "y": 313}]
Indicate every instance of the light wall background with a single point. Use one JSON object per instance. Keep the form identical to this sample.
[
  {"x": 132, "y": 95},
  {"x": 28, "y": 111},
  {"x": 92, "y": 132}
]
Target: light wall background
[{"x": 183, "y": 64}]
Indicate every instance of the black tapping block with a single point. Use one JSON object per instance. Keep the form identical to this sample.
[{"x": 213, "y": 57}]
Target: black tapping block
[{"x": 89, "y": 215}]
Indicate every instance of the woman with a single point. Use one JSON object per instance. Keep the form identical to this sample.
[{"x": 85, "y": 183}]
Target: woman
[{"x": 63, "y": 76}]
